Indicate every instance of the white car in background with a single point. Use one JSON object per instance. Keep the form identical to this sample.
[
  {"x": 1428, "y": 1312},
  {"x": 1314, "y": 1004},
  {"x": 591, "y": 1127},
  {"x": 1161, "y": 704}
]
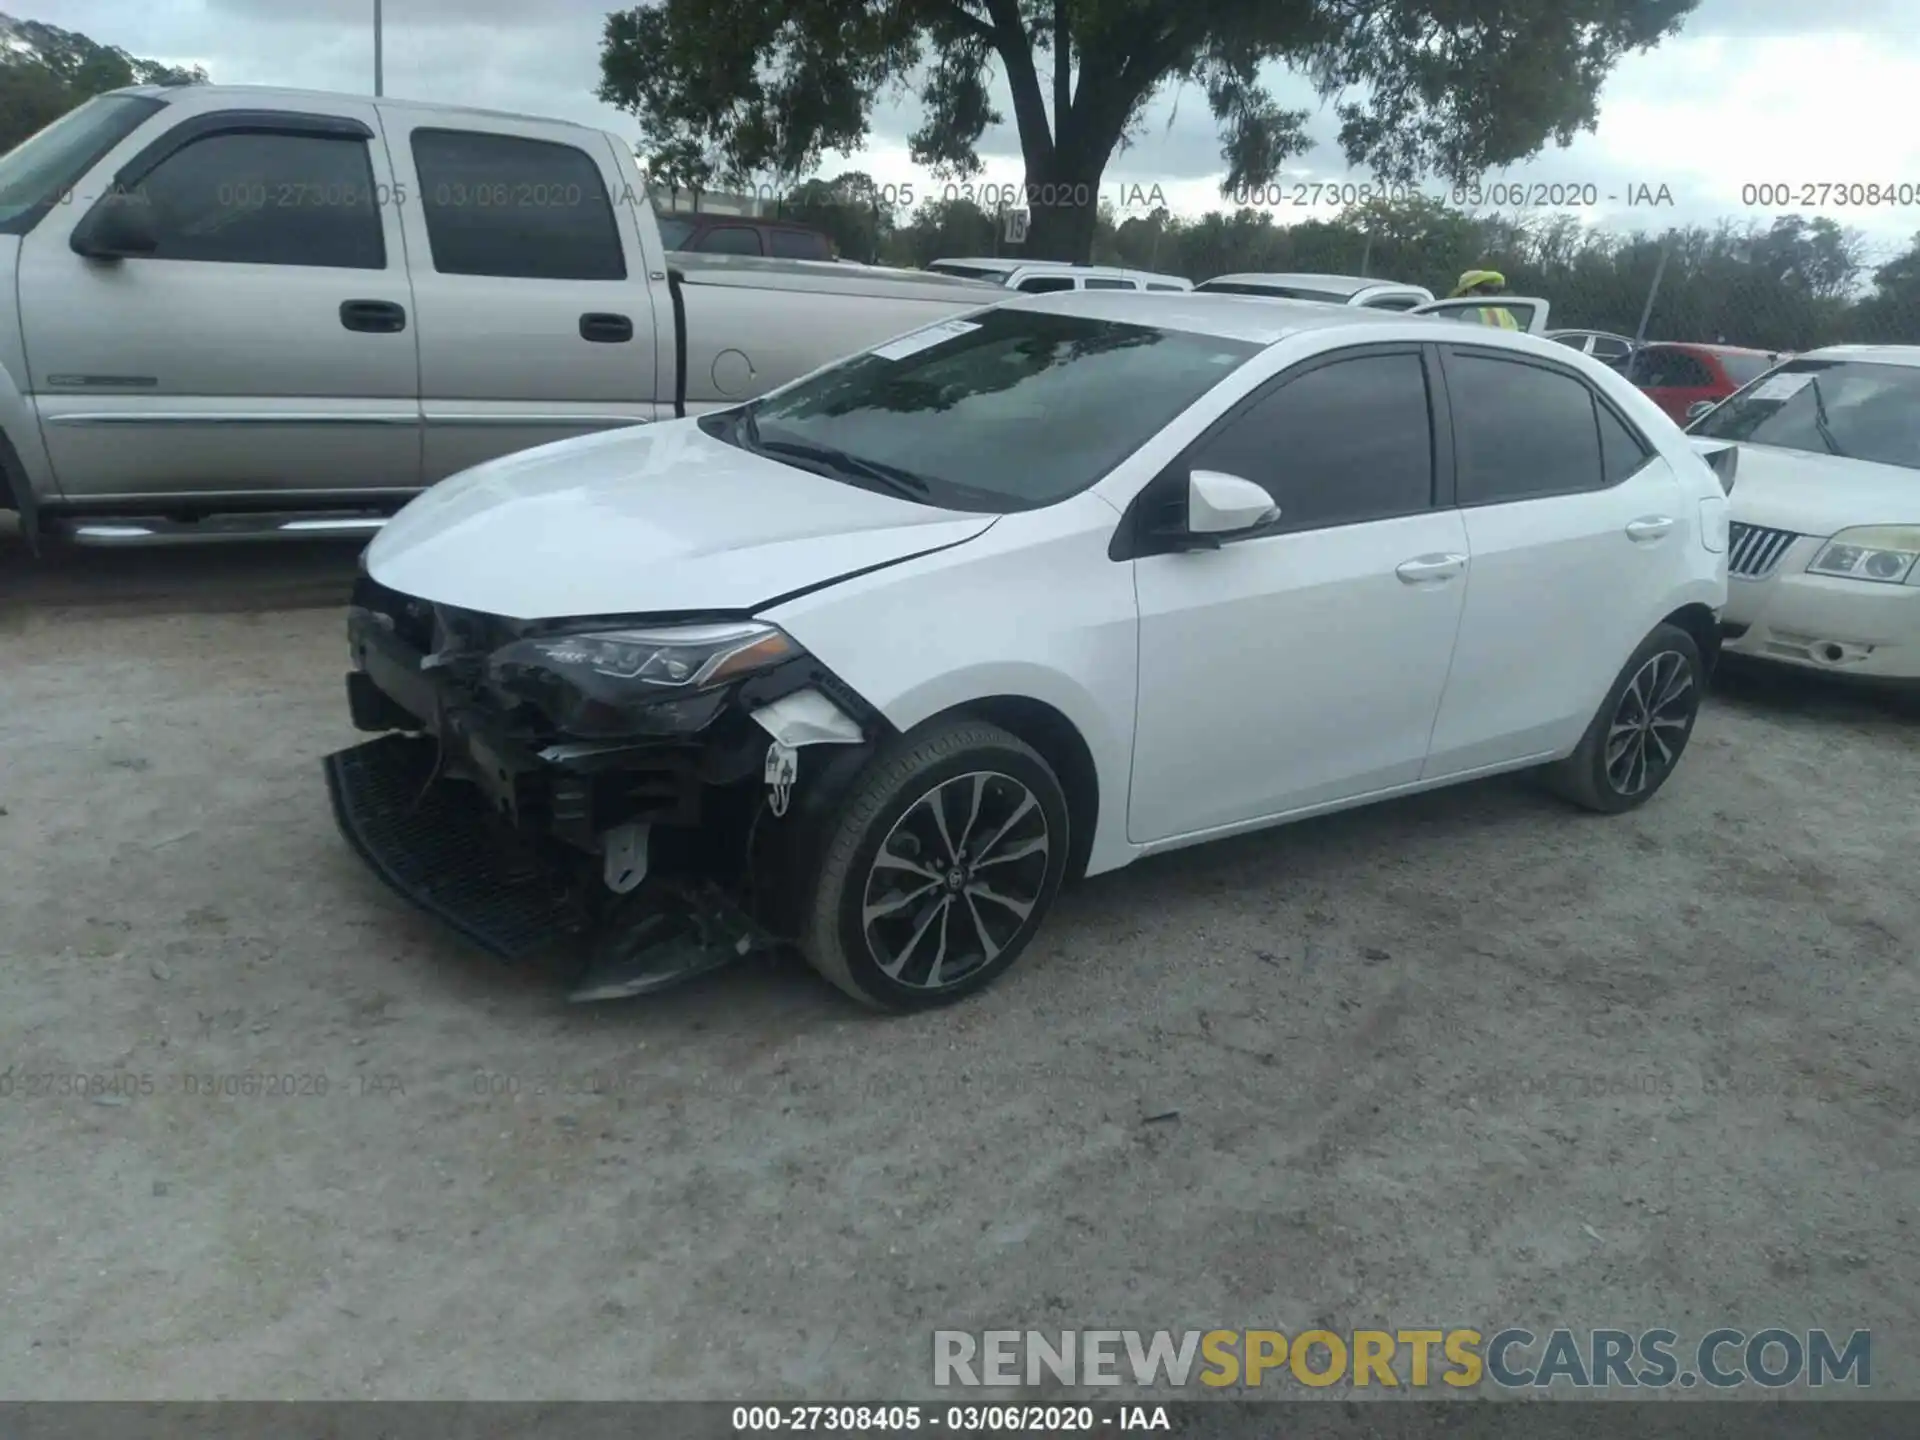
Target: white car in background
[
  {"x": 1045, "y": 277},
  {"x": 878, "y": 661},
  {"x": 1373, "y": 294},
  {"x": 1824, "y": 560}
]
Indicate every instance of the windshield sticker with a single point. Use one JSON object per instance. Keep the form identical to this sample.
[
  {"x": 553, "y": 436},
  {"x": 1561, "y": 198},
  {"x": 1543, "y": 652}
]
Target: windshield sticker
[
  {"x": 924, "y": 339},
  {"x": 1780, "y": 387}
]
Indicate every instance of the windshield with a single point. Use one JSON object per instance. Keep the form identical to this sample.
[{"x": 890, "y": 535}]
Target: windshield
[
  {"x": 1745, "y": 369},
  {"x": 42, "y": 169},
  {"x": 1271, "y": 292},
  {"x": 1829, "y": 407},
  {"x": 674, "y": 232},
  {"x": 1004, "y": 410}
]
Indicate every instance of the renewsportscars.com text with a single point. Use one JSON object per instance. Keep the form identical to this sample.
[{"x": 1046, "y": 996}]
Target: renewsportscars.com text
[{"x": 1449, "y": 1359}]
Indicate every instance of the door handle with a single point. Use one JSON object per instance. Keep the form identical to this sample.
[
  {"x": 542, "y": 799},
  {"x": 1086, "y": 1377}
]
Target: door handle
[
  {"x": 1648, "y": 527},
  {"x": 606, "y": 329},
  {"x": 376, "y": 317},
  {"x": 1430, "y": 569}
]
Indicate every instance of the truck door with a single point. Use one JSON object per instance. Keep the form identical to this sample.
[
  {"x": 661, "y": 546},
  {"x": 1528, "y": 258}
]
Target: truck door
[
  {"x": 262, "y": 345},
  {"x": 536, "y": 316}
]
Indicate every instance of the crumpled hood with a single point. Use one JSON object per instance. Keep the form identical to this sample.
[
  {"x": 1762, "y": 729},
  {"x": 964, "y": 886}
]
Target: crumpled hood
[
  {"x": 644, "y": 519},
  {"x": 1819, "y": 494}
]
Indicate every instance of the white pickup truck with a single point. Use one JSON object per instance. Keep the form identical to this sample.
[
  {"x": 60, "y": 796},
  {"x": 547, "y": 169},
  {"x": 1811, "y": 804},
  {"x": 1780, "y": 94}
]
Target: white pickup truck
[{"x": 233, "y": 312}]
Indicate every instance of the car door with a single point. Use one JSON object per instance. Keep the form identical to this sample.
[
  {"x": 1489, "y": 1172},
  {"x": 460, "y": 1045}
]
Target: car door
[
  {"x": 264, "y": 349},
  {"x": 1570, "y": 517},
  {"x": 536, "y": 320},
  {"x": 1529, "y": 312},
  {"x": 1302, "y": 664}
]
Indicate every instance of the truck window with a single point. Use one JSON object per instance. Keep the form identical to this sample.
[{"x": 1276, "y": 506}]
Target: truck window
[
  {"x": 1097, "y": 282},
  {"x": 1045, "y": 284},
  {"x": 1156, "y": 285},
  {"x": 800, "y": 245},
  {"x": 508, "y": 206},
  {"x": 730, "y": 240},
  {"x": 252, "y": 198},
  {"x": 674, "y": 231}
]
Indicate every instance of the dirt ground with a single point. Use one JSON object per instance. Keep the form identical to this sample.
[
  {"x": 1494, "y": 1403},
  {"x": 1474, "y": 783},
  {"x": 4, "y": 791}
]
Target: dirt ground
[{"x": 1470, "y": 1059}]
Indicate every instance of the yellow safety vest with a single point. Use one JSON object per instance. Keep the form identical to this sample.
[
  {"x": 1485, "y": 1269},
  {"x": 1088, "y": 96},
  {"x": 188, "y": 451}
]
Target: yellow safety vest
[{"x": 1498, "y": 315}]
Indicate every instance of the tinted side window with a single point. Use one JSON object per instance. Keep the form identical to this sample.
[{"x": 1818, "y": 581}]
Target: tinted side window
[
  {"x": 1622, "y": 451},
  {"x": 1046, "y": 284},
  {"x": 268, "y": 199},
  {"x": 1098, "y": 282},
  {"x": 799, "y": 245},
  {"x": 503, "y": 205},
  {"x": 1347, "y": 441},
  {"x": 730, "y": 240},
  {"x": 1520, "y": 430},
  {"x": 1154, "y": 285}
]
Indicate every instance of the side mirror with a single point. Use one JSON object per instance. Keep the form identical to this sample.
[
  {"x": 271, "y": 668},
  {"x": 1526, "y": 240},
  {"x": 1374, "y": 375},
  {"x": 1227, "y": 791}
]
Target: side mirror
[
  {"x": 119, "y": 226},
  {"x": 1221, "y": 504},
  {"x": 1699, "y": 408}
]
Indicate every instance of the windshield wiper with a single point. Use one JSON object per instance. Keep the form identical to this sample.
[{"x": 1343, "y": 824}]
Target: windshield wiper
[
  {"x": 1820, "y": 417},
  {"x": 838, "y": 462}
]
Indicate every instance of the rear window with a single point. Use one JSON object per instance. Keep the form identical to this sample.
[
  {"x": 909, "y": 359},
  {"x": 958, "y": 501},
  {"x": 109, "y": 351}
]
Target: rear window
[
  {"x": 674, "y": 231},
  {"x": 1008, "y": 409},
  {"x": 1850, "y": 408},
  {"x": 1745, "y": 369}
]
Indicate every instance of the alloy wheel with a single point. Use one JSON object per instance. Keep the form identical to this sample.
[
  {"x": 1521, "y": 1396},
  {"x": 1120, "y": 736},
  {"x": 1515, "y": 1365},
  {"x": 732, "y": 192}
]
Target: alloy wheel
[
  {"x": 1650, "y": 724},
  {"x": 956, "y": 879}
]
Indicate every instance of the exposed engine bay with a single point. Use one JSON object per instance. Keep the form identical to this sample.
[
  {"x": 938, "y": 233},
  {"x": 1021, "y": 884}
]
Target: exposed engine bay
[{"x": 635, "y": 803}]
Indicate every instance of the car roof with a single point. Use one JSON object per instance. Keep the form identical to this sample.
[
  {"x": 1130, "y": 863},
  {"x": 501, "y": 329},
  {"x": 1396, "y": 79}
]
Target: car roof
[
  {"x": 1875, "y": 354},
  {"x": 1255, "y": 319},
  {"x": 1333, "y": 284},
  {"x": 256, "y": 94},
  {"x": 995, "y": 262}
]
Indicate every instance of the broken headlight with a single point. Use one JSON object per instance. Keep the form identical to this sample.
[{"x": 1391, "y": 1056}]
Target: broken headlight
[{"x": 641, "y": 680}]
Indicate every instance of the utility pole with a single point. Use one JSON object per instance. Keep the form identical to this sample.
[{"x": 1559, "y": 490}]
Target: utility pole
[
  {"x": 1646, "y": 311},
  {"x": 379, "y": 78}
]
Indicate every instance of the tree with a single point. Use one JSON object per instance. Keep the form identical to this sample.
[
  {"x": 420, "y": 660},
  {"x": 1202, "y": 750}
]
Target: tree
[
  {"x": 850, "y": 208},
  {"x": 46, "y": 71},
  {"x": 1451, "y": 87}
]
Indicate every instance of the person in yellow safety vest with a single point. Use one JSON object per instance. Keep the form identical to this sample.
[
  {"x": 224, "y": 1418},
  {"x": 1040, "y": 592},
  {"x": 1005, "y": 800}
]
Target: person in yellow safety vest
[{"x": 1486, "y": 282}]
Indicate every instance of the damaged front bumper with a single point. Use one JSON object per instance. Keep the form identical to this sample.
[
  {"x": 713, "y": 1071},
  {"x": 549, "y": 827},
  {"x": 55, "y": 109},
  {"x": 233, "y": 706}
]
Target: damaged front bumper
[{"x": 627, "y": 866}]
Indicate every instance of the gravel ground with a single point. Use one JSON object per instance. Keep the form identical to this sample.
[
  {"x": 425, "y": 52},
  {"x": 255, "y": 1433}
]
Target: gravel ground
[{"x": 1467, "y": 1059}]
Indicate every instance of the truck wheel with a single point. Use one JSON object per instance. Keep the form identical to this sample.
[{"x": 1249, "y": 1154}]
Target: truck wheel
[
  {"x": 938, "y": 869},
  {"x": 1642, "y": 727}
]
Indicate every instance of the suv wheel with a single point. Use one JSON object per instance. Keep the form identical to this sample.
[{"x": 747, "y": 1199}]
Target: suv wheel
[{"x": 939, "y": 867}]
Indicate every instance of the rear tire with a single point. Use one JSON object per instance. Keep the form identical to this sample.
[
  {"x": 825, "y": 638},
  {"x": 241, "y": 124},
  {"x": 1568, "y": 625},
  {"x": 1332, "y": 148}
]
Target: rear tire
[
  {"x": 939, "y": 867},
  {"x": 1641, "y": 729}
]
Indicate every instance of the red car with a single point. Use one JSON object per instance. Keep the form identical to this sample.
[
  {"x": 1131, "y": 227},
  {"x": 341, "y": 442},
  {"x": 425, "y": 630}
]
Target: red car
[{"x": 1677, "y": 377}]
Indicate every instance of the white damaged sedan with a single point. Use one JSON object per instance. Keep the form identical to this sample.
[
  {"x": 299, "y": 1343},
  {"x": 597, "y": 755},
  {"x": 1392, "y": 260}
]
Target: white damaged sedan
[
  {"x": 871, "y": 665},
  {"x": 1824, "y": 563}
]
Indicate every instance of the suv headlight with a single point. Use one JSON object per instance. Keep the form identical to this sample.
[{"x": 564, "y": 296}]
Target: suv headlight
[
  {"x": 1884, "y": 554},
  {"x": 619, "y": 682}
]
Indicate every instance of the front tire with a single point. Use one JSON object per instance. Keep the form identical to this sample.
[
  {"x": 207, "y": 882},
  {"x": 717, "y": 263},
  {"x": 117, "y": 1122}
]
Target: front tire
[
  {"x": 1641, "y": 730},
  {"x": 939, "y": 867}
]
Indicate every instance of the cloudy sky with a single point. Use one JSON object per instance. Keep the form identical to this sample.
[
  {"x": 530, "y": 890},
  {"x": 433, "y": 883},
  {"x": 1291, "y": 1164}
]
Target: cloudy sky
[{"x": 1775, "y": 91}]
